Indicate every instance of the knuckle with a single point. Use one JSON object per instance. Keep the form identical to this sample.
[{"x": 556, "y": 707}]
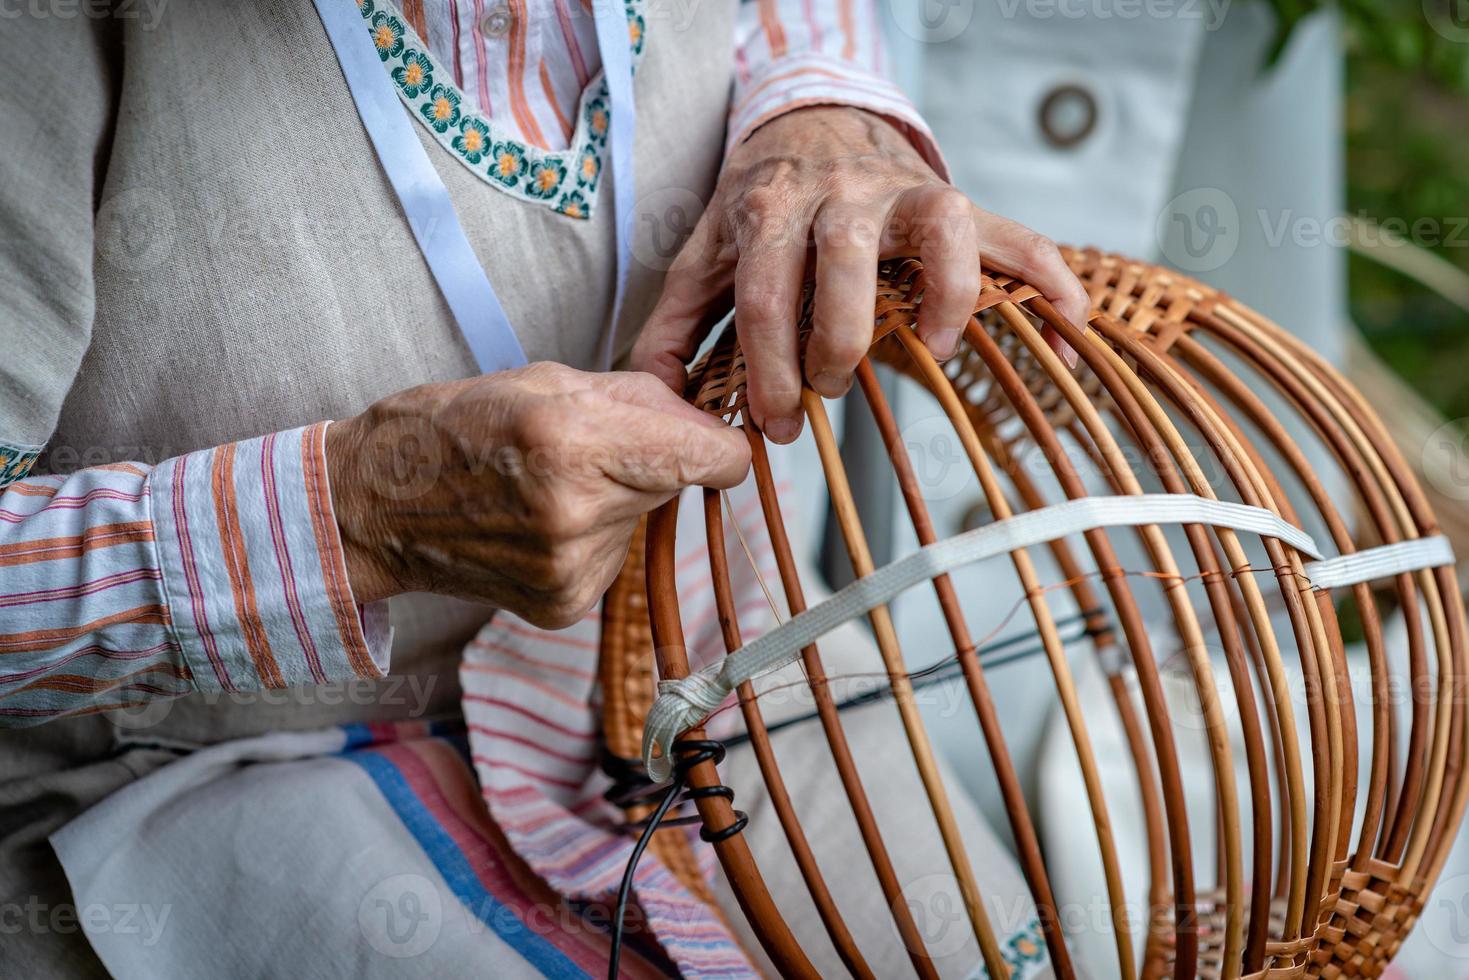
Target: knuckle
[
  {"x": 1037, "y": 248},
  {"x": 765, "y": 199},
  {"x": 766, "y": 308}
]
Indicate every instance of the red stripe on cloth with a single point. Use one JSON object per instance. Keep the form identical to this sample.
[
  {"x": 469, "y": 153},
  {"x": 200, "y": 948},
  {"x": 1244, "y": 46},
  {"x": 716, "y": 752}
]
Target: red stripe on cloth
[
  {"x": 33, "y": 640},
  {"x": 775, "y": 35},
  {"x": 237, "y": 567},
  {"x": 329, "y": 546},
  {"x": 448, "y": 790},
  {"x": 530, "y": 715},
  {"x": 539, "y": 777},
  {"x": 191, "y": 578},
  {"x": 530, "y": 743},
  {"x": 74, "y": 545},
  {"x": 573, "y": 48},
  {"x": 546, "y": 689},
  {"x": 83, "y": 589},
  {"x": 283, "y": 559}
]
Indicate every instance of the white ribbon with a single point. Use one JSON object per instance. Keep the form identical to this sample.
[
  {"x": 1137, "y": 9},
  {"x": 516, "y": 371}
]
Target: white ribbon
[
  {"x": 687, "y": 701},
  {"x": 1381, "y": 562}
]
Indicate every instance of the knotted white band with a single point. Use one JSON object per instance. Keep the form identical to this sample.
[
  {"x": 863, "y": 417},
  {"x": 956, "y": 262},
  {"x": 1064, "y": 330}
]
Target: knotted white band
[{"x": 687, "y": 701}]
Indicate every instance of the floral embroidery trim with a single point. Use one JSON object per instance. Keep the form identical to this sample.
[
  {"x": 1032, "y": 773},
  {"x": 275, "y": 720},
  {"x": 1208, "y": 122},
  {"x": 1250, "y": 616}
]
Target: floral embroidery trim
[
  {"x": 564, "y": 180},
  {"x": 16, "y": 462}
]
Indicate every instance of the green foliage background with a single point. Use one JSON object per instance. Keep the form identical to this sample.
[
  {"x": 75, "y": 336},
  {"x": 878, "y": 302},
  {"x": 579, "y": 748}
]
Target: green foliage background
[{"x": 1407, "y": 138}]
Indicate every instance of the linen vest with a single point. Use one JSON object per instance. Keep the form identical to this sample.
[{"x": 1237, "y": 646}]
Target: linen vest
[{"x": 255, "y": 272}]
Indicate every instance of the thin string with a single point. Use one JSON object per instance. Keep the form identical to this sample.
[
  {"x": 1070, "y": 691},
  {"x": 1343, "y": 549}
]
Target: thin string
[
  {"x": 989, "y": 638},
  {"x": 750, "y": 556}
]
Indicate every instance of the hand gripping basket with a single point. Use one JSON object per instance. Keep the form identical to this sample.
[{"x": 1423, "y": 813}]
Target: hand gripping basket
[{"x": 1203, "y": 460}]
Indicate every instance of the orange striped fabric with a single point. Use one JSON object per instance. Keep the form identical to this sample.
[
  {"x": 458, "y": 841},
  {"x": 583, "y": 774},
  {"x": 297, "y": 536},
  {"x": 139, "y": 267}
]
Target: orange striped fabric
[
  {"x": 220, "y": 570},
  {"x": 526, "y": 63}
]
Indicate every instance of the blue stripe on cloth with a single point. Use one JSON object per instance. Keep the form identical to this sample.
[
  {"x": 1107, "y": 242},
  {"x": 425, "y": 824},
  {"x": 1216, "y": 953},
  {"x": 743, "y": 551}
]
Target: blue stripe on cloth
[{"x": 455, "y": 868}]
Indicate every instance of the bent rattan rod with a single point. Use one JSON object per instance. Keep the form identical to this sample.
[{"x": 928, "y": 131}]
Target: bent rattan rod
[
  {"x": 831, "y": 723},
  {"x": 717, "y": 813},
  {"x": 850, "y": 523},
  {"x": 1221, "y": 600},
  {"x": 1383, "y": 730},
  {"x": 1331, "y": 426},
  {"x": 1139, "y": 644},
  {"x": 1387, "y": 463},
  {"x": 780, "y": 797},
  {"x": 999, "y": 505},
  {"x": 1143, "y": 418},
  {"x": 1027, "y": 842}
]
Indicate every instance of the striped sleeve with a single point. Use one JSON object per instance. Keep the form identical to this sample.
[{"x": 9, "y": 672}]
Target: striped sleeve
[
  {"x": 220, "y": 570},
  {"x": 795, "y": 53}
]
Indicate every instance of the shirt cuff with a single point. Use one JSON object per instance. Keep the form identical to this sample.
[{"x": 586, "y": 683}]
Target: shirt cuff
[
  {"x": 809, "y": 79},
  {"x": 253, "y": 567}
]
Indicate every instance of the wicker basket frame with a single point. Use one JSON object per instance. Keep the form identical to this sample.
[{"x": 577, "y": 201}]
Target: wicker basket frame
[{"x": 1159, "y": 364}]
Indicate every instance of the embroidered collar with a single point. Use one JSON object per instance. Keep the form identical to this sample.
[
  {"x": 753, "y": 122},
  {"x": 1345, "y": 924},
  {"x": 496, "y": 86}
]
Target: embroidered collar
[{"x": 563, "y": 180}]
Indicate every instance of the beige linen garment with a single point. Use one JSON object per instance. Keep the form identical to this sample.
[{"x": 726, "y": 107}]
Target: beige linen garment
[{"x": 211, "y": 251}]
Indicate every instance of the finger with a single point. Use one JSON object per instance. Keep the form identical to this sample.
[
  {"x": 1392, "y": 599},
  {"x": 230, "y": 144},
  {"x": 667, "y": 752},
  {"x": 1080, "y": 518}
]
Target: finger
[
  {"x": 848, "y": 238},
  {"x": 768, "y": 280},
  {"x": 653, "y": 452},
  {"x": 689, "y": 305},
  {"x": 941, "y": 223},
  {"x": 1017, "y": 250}
]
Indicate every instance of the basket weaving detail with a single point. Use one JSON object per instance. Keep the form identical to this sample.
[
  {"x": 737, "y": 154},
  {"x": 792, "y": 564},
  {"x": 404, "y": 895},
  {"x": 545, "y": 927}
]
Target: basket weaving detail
[{"x": 1305, "y": 869}]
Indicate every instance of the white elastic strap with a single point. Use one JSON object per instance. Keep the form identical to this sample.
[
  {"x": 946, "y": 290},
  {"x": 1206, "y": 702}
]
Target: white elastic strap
[
  {"x": 684, "y": 703},
  {"x": 1384, "y": 561}
]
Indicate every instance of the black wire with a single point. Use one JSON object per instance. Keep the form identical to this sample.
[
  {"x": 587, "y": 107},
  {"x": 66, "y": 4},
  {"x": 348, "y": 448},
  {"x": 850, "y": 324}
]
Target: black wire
[
  {"x": 688, "y": 753},
  {"x": 620, "y": 916},
  {"x": 631, "y": 786}
]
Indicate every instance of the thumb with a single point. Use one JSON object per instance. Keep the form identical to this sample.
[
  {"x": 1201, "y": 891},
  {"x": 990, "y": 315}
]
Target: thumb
[{"x": 654, "y": 451}]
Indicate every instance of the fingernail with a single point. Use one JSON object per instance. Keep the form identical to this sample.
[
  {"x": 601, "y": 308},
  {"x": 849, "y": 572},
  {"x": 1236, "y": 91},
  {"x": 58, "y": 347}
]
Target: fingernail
[
  {"x": 830, "y": 384},
  {"x": 1069, "y": 355},
  {"x": 945, "y": 343},
  {"x": 783, "y": 430}
]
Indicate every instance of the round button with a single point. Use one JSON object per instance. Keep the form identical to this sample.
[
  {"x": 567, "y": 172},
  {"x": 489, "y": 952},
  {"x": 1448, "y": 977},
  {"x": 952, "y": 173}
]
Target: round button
[
  {"x": 1067, "y": 115},
  {"x": 497, "y": 22}
]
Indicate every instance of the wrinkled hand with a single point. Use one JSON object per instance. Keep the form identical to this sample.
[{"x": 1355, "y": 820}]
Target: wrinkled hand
[
  {"x": 521, "y": 489},
  {"x": 847, "y": 186}
]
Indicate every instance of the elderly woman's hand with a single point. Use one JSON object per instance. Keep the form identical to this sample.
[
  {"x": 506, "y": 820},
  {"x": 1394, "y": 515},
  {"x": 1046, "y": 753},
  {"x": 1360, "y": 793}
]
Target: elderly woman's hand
[
  {"x": 521, "y": 489},
  {"x": 846, "y": 185}
]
